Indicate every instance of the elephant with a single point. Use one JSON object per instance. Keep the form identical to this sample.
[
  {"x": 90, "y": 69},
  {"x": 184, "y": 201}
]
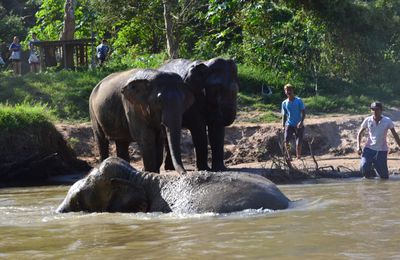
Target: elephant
[
  {"x": 142, "y": 105},
  {"x": 214, "y": 84},
  {"x": 115, "y": 186}
]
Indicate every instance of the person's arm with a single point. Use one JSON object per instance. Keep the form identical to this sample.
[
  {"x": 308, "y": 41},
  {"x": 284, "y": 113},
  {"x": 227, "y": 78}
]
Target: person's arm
[
  {"x": 284, "y": 117},
  {"x": 303, "y": 116},
  {"x": 359, "y": 135},
  {"x": 395, "y": 135}
]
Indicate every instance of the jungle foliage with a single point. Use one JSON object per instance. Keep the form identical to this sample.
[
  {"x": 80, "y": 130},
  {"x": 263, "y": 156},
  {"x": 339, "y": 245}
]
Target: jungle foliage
[{"x": 329, "y": 48}]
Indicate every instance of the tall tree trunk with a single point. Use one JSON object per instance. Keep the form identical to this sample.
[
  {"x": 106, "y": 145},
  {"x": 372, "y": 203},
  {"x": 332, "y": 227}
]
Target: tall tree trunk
[
  {"x": 172, "y": 43},
  {"x": 68, "y": 32}
]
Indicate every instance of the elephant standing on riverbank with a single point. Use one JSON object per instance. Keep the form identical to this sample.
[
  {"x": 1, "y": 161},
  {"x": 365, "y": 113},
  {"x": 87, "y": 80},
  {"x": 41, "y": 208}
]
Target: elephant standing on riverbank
[
  {"x": 214, "y": 84},
  {"x": 117, "y": 187},
  {"x": 137, "y": 105}
]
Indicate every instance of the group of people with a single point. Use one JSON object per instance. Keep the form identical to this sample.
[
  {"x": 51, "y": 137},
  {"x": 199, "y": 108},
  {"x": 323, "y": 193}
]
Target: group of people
[
  {"x": 373, "y": 154},
  {"x": 15, "y": 48},
  {"x": 16, "y": 55}
]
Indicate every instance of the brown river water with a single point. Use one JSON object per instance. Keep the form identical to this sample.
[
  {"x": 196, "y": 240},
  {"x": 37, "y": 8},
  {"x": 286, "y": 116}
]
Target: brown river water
[{"x": 350, "y": 219}]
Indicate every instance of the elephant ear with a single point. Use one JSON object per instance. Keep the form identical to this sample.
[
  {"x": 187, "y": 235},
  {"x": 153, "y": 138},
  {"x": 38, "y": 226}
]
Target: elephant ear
[
  {"x": 195, "y": 76},
  {"x": 233, "y": 68},
  {"x": 136, "y": 90}
]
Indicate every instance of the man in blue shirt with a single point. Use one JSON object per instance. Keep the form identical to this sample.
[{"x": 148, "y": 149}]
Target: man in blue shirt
[{"x": 293, "y": 114}]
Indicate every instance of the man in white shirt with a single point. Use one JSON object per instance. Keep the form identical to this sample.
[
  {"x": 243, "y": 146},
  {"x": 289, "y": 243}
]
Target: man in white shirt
[{"x": 376, "y": 149}]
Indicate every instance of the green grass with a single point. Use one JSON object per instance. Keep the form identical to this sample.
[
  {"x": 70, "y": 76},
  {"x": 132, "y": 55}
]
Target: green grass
[
  {"x": 336, "y": 96},
  {"x": 23, "y": 115},
  {"x": 66, "y": 93},
  {"x": 266, "y": 117},
  {"x": 337, "y": 104}
]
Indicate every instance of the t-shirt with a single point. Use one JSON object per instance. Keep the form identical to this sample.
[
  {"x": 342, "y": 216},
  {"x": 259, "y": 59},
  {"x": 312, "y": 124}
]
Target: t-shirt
[
  {"x": 15, "y": 47},
  {"x": 293, "y": 109},
  {"x": 102, "y": 51},
  {"x": 32, "y": 47},
  {"x": 377, "y": 132},
  {"x": 16, "y": 51}
]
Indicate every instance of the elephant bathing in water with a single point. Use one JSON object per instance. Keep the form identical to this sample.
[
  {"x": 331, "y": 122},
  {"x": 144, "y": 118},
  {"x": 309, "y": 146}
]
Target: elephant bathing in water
[
  {"x": 214, "y": 84},
  {"x": 117, "y": 187},
  {"x": 138, "y": 105}
]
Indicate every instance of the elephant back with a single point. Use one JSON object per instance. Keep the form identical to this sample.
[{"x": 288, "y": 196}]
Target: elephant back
[
  {"x": 222, "y": 192},
  {"x": 114, "y": 167},
  {"x": 179, "y": 66},
  {"x": 106, "y": 108}
]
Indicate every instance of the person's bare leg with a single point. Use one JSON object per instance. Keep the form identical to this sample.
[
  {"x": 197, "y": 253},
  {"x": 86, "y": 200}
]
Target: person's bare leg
[
  {"x": 287, "y": 149},
  {"x": 298, "y": 151}
]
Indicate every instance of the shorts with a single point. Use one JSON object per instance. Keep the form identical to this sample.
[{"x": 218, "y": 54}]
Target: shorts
[
  {"x": 298, "y": 132},
  {"x": 374, "y": 159}
]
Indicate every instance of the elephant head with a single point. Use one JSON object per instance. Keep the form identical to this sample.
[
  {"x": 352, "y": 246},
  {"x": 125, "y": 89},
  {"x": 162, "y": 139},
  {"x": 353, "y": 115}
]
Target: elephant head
[
  {"x": 217, "y": 81},
  {"x": 110, "y": 188},
  {"x": 194, "y": 78},
  {"x": 221, "y": 88},
  {"x": 160, "y": 99}
]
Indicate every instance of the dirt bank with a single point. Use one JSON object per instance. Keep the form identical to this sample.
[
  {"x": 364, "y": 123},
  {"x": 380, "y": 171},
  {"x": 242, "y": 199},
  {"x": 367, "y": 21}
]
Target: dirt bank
[
  {"x": 35, "y": 153},
  {"x": 256, "y": 147}
]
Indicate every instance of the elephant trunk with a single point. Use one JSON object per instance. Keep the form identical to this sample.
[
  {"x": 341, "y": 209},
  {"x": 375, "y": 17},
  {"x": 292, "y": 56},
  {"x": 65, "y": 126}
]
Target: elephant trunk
[{"x": 229, "y": 104}]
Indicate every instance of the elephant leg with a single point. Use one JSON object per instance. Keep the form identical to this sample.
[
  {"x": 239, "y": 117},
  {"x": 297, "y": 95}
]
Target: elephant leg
[
  {"x": 199, "y": 137},
  {"x": 123, "y": 149},
  {"x": 216, "y": 134},
  {"x": 148, "y": 149},
  {"x": 102, "y": 145}
]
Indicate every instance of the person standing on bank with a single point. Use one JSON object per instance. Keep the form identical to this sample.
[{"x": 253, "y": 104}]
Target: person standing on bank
[
  {"x": 102, "y": 51},
  {"x": 15, "y": 57},
  {"x": 376, "y": 149},
  {"x": 33, "y": 54},
  {"x": 293, "y": 115}
]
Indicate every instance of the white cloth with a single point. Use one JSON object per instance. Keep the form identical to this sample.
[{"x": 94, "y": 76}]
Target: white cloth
[
  {"x": 15, "y": 55},
  {"x": 33, "y": 58},
  {"x": 377, "y": 132}
]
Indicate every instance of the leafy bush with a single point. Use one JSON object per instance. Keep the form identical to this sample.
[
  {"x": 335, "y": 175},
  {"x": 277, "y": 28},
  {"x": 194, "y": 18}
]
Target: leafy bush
[{"x": 122, "y": 62}]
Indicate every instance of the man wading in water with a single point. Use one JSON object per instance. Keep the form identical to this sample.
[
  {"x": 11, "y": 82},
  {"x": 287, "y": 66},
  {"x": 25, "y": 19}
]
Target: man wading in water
[{"x": 376, "y": 149}]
